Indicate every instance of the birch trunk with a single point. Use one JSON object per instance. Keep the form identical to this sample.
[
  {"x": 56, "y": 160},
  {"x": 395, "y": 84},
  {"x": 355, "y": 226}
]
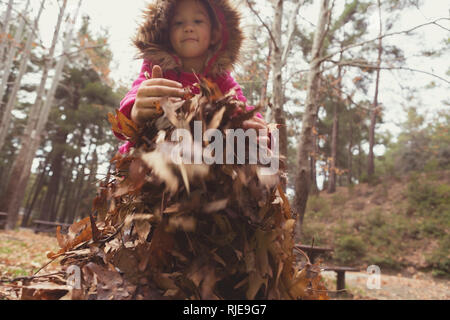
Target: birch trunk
[
  {"x": 22, "y": 165},
  {"x": 263, "y": 94},
  {"x": 279, "y": 56},
  {"x": 12, "y": 54},
  {"x": 277, "y": 80},
  {"x": 36, "y": 108},
  {"x": 303, "y": 181},
  {"x": 5, "y": 31},
  {"x": 6, "y": 118},
  {"x": 58, "y": 73},
  {"x": 374, "y": 111}
]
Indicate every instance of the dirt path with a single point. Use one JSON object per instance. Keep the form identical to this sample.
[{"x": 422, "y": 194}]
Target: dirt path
[{"x": 420, "y": 287}]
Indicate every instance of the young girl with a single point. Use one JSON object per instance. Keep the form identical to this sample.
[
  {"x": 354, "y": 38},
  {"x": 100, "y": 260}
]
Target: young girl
[{"x": 179, "y": 40}]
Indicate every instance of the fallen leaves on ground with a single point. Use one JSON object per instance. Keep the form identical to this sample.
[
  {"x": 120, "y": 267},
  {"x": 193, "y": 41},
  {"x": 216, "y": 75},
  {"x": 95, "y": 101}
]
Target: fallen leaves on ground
[{"x": 22, "y": 253}]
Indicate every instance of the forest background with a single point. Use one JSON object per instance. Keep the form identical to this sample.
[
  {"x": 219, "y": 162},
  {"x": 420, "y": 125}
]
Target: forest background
[{"x": 359, "y": 87}]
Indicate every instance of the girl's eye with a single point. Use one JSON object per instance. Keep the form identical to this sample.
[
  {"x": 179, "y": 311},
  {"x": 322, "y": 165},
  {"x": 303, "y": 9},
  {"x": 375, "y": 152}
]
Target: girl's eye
[{"x": 198, "y": 21}]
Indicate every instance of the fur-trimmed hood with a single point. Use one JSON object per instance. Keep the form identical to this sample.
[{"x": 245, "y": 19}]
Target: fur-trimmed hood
[{"x": 152, "y": 38}]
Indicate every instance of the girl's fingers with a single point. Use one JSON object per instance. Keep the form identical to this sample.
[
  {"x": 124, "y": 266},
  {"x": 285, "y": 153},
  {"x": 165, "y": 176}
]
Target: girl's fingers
[
  {"x": 157, "y": 72},
  {"x": 260, "y": 120},
  {"x": 147, "y": 113},
  {"x": 162, "y": 82},
  {"x": 252, "y": 124},
  {"x": 160, "y": 91},
  {"x": 147, "y": 102},
  {"x": 143, "y": 112},
  {"x": 153, "y": 102}
]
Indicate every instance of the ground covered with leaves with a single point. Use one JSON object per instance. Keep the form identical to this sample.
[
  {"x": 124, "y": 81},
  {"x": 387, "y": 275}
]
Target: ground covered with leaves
[{"x": 22, "y": 254}]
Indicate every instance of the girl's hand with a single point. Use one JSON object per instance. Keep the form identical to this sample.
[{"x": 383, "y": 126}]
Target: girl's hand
[
  {"x": 150, "y": 94},
  {"x": 257, "y": 123}
]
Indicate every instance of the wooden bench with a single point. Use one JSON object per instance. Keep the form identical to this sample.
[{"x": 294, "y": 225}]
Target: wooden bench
[
  {"x": 48, "y": 226},
  {"x": 313, "y": 251},
  {"x": 3, "y": 219},
  {"x": 340, "y": 271}
]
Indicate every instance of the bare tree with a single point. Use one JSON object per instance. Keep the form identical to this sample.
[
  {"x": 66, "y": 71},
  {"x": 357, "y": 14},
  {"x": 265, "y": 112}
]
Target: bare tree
[
  {"x": 6, "y": 118},
  {"x": 303, "y": 178},
  {"x": 279, "y": 57},
  {"x": 375, "y": 108},
  {"x": 12, "y": 53},
  {"x": 334, "y": 135},
  {"x": 5, "y": 30},
  {"x": 22, "y": 164}
]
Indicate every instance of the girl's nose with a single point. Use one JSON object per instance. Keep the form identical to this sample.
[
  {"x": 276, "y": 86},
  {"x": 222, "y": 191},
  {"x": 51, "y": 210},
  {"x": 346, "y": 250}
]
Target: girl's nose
[{"x": 188, "y": 28}]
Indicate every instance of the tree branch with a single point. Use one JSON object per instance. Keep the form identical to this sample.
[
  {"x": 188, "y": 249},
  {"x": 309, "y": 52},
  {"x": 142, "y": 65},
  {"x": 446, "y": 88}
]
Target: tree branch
[
  {"x": 291, "y": 29},
  {"x": 68, "y": 54},
  {"x": 381, "y": 37},
  {"x": 263, "y": 23},
  {"x": 372, "y": 67}
]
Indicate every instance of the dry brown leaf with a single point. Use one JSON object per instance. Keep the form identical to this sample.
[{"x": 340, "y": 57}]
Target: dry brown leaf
[{"x": 128, "y": 127}]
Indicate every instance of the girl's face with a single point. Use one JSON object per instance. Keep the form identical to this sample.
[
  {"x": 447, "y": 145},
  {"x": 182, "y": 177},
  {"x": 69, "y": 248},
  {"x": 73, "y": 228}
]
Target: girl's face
[{"x": 190, "y": 32}]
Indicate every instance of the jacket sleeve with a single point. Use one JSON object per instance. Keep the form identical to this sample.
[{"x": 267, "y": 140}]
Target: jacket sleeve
[{"x": 127, "y": 102}]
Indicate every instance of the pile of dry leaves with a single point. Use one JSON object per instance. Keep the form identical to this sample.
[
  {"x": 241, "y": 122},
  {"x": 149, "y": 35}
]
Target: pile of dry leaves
[{"x": 161, "y": 230}]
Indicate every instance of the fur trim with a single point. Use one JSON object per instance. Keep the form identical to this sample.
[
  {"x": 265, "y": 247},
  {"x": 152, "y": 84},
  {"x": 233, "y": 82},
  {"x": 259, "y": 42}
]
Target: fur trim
[{"x": 152, "y": 38}]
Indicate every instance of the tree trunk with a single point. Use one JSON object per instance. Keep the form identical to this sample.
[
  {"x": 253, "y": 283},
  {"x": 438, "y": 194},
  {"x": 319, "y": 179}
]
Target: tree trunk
[
  {"x": 335, "y": 135},
  {"x": 359, "y": 161},
  {"x": 68, "y": 186},
  {"x": 65, "y": 202},
  {"x": 263, "y": 101},
  {"x": 350, "y": 155},
  {"x": 12, "y": 53},
  {"x": 5, "y": 31},
  {"x": 303, "y": 181},
  {"x": 59, "y": 199},
  {"x": 334, "y": 138},
  {"x": 37, "y": 190},
  {"x": 78, "y": 191},
  {"x": 312, "y": 160},
  {"x": 6, "y": 118},
  {"x": 277, "y": 81},
  {"x": 48, "y": 210},
  {"x": 23, "y": 163},
  {"x": 374, "y": 111},
  {"x": 71, "y": 205}
]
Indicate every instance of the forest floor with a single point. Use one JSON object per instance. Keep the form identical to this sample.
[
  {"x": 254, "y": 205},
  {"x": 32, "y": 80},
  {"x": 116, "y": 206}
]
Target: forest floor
[
  {"x": 22, "y": 252},
  {"x": 392, "y": 287},
  {"x": 380, "y": 225}
]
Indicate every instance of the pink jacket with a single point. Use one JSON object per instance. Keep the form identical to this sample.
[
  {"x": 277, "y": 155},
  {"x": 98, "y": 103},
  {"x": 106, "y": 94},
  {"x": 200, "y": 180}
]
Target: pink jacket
[
  {"x": 151, "y": 41},
  {"x": 225, "y": 83}
]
